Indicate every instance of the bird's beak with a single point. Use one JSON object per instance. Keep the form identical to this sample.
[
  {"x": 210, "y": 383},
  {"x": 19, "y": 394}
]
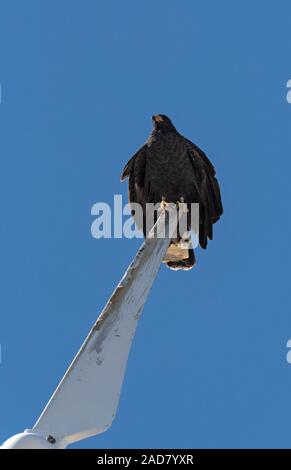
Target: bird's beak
[{"x": 157, "y": 118}]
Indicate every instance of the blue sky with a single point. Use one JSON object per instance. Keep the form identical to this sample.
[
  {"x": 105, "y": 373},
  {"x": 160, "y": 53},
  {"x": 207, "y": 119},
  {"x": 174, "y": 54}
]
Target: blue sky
[{"x": 80, "y": 81}]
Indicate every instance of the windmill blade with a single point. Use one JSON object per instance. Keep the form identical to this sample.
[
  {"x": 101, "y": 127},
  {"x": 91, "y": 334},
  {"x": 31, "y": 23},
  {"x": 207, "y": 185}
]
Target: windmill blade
[{"x": 85, "y": 401}]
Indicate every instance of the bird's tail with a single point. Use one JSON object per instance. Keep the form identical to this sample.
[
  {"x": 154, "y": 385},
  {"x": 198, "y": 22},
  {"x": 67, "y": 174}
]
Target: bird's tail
[{"x": 180, "y": 255}]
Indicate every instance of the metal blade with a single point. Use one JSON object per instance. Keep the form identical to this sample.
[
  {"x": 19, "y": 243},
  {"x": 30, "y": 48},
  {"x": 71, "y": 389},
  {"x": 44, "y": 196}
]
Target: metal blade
[{"x": 87, "y": 397}]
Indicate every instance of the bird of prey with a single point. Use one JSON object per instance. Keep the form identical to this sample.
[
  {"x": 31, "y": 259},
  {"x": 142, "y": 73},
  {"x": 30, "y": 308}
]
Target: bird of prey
[{"x": 170, "y": 168}]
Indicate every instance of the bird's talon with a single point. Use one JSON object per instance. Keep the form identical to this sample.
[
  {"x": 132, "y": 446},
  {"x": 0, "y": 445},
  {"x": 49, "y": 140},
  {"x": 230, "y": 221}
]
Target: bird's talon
[{"x": 163, "y": 204}]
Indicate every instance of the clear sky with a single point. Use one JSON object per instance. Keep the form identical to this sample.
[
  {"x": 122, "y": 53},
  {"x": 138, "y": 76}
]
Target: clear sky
[{"x": 80, "y": 80}]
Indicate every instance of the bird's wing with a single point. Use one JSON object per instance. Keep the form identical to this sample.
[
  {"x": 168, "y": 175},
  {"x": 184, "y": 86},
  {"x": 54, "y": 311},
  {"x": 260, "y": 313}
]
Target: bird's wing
[
  {"x": 127, "y": 169},
  {"x": 208, "y": 189},
  {"x": 130, "y": 164},
  {"x": 135, "y": 170}
]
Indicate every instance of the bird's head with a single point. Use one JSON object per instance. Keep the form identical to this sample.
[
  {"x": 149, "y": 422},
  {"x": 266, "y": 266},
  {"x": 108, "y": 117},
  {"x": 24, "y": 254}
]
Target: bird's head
[{"x": 161, "y": 121}]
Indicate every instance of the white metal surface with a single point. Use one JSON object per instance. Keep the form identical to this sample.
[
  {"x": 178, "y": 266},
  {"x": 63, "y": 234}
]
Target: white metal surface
[
  {"x": 87, "y": 397},
  {"x": 30, "y": 439}
]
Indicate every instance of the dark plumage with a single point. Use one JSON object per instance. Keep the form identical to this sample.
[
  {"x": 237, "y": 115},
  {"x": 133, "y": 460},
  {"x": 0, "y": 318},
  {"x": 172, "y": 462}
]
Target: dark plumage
[{"x": 170, "y": 167}]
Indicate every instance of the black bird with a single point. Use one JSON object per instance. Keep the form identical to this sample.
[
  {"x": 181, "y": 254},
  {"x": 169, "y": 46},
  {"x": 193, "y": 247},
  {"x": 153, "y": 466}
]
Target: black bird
[{"x": 170, "y": 168}]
